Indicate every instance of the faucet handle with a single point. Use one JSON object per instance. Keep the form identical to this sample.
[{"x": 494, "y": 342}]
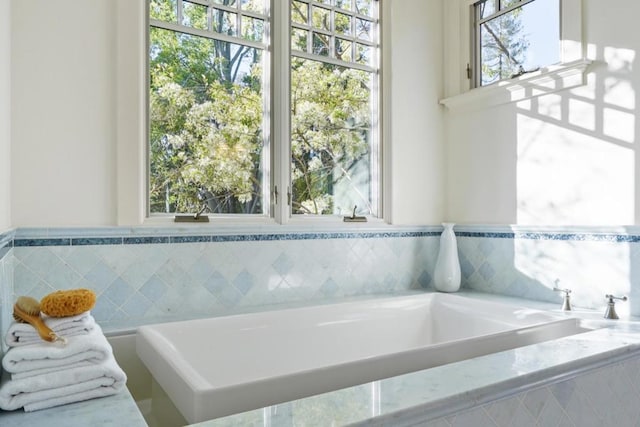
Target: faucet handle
[
  {"x": 566, "y": 305},
  {"x": 566, "y": 291},
  {"x": 611, "y": 298}
]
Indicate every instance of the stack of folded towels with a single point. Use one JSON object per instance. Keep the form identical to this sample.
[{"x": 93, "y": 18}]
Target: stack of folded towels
[{"x": 41, "y": 374}]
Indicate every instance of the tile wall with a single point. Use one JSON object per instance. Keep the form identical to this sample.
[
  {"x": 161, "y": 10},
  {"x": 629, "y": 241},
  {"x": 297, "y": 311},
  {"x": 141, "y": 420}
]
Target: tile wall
[
  {"x": 160, "y": 278},
  {"x": 150, "y": 278},
  {"x": 6, "y": 285},
  {"x": 527, "y": 265},
  {"x": 145, "y": 278},
  {"x": 604, "y": 397}
]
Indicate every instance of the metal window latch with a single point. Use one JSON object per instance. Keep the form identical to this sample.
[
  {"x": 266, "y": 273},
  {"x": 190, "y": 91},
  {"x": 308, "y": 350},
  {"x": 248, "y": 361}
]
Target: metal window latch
[
  {"x": 566, "y": 303},
  {"x": 610, "y": 313},
  {"x": 353, "y": 217}
]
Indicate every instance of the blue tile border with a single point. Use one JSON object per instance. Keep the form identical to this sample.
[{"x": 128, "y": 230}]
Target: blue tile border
[
  {"x": 12, "y": 238},
  {"x": 582, "y": 237},
  {"x": 92, "y": 241},
  {"x": 41, "y": 242},
  {"x": 139, "y": 240}
]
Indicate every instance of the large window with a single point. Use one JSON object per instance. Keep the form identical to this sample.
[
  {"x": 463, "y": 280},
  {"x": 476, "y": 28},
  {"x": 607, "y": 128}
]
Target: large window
[
  {"x": 514, "y": 37},
  {"x": 211, "y": 109},
  {"x": 207, "y": 106},
  {"x": 334, "y": 101}
]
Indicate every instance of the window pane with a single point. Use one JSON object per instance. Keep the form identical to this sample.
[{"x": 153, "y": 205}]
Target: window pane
[
  {"x": 363, "y": 29},
  {"x": 206, "y": 118},
  {"x": 506, "y": 3},
  {"x": 299, "y": 39},
  {"x": 363, "y": 54},
  {"x": 225, "y": 22},
  {"x": 253, "y": 5},
  {"x": 344, "y": 4},
  {"x": 252, "y": 29},
  {"x": 343, "y": 24},
  {"x": 321, "y": 18},
  {"x": 163, "y": 10},
  {"x": 363, "y": 7},
  {"x": 320, "y": 45},
  {"x": 344, "y": 49},
  {"x": 330, "y": 139},
  {"x": 194, "y": 15},
  {"x": 521, "y": 40},
  {"x": 299, "y": 12}
]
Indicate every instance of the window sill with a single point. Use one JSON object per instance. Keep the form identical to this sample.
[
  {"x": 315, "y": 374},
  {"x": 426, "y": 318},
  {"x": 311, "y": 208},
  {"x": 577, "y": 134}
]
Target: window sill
[
  {"x": 260, "y": 224},
  {"x": 545, "y": 81}
]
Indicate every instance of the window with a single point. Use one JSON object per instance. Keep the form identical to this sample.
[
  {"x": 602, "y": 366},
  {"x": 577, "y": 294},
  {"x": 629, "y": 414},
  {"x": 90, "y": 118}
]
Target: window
[
  {"x": 513, "y": 37},
  {"x": 207, "y": 106},
  {"x": 211, "y": 107},
  {"x": 333, "y": 104}
]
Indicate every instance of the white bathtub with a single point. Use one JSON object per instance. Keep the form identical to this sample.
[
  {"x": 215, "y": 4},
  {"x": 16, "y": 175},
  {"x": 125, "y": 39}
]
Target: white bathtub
[{"x": 220, "y": 366}]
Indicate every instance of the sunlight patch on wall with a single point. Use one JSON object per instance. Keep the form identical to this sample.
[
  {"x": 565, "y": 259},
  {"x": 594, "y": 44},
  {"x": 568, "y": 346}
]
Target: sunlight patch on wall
[{"x": 566, "y": 176}]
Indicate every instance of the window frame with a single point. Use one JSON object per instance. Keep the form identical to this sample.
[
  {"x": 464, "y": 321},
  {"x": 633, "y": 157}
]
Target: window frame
[
  {"x": 476, "y": 58},
  {"x": 280, "y": 212},
  {"x": 460, "y": 95},
  {"x": 211, "y": 34}
]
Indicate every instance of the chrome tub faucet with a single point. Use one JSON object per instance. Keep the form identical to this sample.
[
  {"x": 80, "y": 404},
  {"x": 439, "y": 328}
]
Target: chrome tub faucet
[{"x": 610, "y": 313}]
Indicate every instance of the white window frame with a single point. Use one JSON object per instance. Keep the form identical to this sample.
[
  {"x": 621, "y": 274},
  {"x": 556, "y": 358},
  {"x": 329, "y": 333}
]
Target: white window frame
[
  {"x": 131, "y": 135},
  {"x": 459, "y": 93},
  {"x": 377, "y": 180}
]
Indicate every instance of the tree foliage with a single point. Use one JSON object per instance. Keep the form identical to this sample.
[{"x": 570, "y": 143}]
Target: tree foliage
[{"x": 504, "y": 46}]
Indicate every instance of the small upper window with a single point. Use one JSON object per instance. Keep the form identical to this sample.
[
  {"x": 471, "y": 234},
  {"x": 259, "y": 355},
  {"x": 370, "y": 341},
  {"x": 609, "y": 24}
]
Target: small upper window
[{"x": 513, "y": 37}]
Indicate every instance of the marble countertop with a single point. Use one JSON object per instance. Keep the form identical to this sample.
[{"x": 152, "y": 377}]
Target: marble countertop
[
  {"x": 117, "y": 410},
  {"x": 457, "y": 386}
]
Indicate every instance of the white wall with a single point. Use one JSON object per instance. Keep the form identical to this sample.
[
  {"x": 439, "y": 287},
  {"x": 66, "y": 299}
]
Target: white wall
[
  {"x": 63, "y": 127},
  {"x": 417, "y": 147},
  {"x": 565, "y": 158},
  {"x": 71, "y": 87},
  {"x": 5, "y": 115}
]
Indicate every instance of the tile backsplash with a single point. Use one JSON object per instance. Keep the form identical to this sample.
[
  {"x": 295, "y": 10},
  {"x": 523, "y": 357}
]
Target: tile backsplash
[
  {"x": 145, "y": 275},
  {"x": 143, "y": 279}
]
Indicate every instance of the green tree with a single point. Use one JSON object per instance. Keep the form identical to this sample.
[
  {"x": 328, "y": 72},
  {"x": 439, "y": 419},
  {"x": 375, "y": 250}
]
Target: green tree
[{"x": 504, "y": 46}]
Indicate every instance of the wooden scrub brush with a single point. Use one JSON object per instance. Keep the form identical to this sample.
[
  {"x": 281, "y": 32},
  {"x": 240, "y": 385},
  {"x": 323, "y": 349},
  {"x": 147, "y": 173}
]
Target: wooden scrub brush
[
  {"x": 27, "y": 310},
  {"x": 68, "y": 303}
]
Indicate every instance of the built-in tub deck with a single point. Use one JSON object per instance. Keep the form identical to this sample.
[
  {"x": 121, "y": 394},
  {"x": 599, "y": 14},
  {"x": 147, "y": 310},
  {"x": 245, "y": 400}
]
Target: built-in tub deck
[{"x": 215, "y": 367}]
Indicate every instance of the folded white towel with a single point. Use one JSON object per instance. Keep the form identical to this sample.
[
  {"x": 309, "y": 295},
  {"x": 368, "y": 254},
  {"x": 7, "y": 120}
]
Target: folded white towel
[
  {"x": 63, "y": 386},
  {"x": 92, "y": 347},
  {"x": 23, "y": 333}
]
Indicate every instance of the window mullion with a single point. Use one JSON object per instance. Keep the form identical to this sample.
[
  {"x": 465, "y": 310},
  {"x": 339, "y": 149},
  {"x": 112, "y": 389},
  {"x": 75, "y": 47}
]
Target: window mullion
[{"x": 280, "y": 102}]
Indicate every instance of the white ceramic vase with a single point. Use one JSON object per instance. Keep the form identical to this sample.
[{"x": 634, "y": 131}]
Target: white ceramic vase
[{"x": 446, "y": 277}]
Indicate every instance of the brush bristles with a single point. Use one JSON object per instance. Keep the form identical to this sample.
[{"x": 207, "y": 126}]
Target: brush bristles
[{"x": 29, "y": 305}]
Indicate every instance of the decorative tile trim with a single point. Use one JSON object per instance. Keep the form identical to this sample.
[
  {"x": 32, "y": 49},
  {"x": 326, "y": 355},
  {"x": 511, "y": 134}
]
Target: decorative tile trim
[
  {"x": 41, "y": 242},
  {"x": 250, "y": 237},
  {"x": 581, "y": 237},
  {"x": 10, "y": 239},
  {"x": 94, "y": 241}
]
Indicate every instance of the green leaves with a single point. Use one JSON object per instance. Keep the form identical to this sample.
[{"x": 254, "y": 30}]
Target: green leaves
[{"x": 206, "y": 129}]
